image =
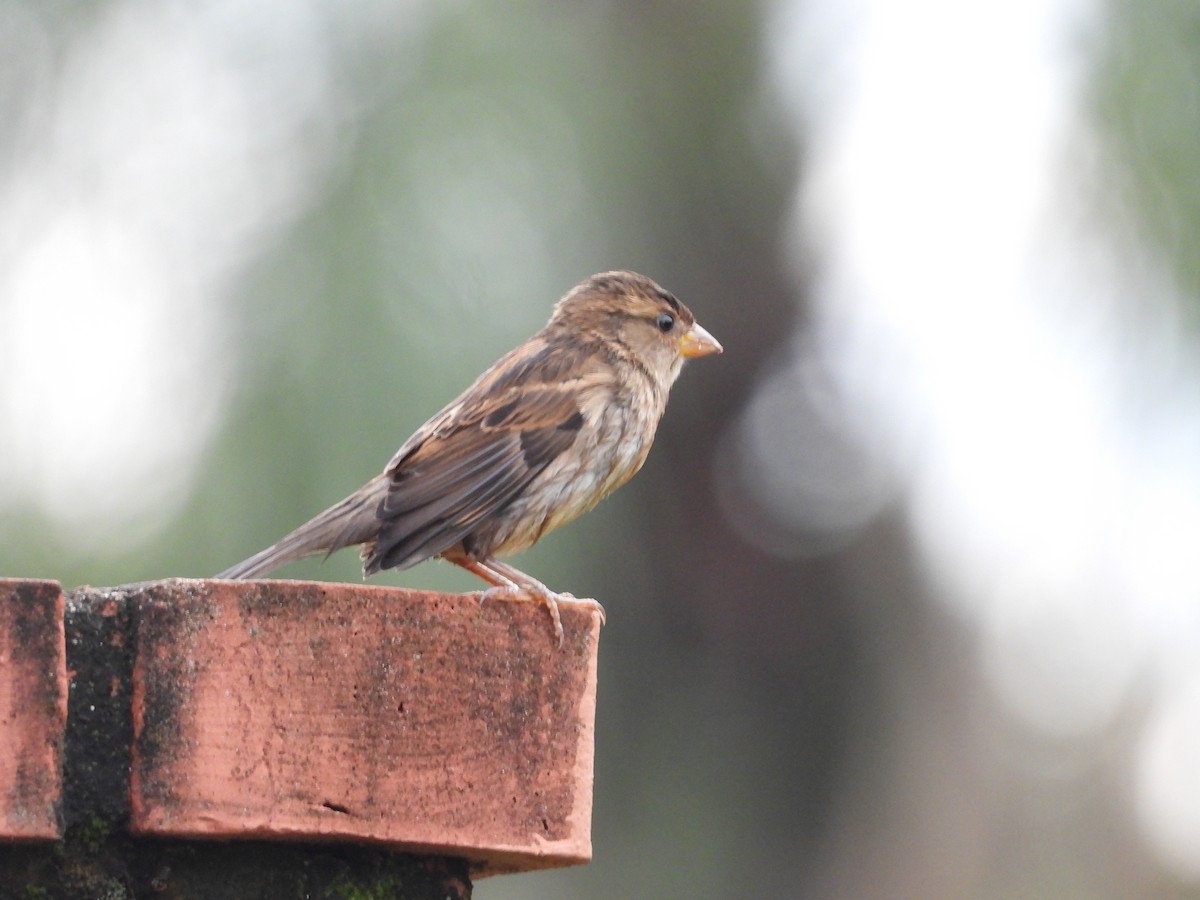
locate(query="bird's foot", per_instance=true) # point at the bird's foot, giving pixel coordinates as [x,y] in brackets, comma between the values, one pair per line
[541,594]
[526,594]
[509,583]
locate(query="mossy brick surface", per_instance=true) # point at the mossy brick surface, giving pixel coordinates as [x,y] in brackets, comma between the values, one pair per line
[278,710]
[33,708]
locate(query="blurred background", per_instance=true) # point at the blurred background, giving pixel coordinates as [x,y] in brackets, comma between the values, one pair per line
[905,603]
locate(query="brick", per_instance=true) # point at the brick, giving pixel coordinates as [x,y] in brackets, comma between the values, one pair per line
[283,710]
[33,708]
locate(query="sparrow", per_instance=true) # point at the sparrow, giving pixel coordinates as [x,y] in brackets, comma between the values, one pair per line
[537,440]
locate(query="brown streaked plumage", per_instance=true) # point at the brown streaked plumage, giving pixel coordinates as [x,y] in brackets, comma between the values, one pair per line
[541,437]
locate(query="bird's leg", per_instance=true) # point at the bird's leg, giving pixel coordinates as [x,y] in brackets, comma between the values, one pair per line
[531,584]
[505,588]
[509,583]
[501,586]
[543,593]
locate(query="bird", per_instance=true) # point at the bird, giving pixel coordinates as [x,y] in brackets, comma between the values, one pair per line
[542,436]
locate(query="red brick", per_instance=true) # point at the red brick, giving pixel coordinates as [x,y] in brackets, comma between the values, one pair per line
[33,708]
[310,711]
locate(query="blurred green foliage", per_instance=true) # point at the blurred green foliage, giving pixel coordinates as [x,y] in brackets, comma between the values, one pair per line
[1146,100]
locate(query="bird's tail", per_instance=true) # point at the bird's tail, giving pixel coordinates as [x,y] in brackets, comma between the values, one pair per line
[352,521]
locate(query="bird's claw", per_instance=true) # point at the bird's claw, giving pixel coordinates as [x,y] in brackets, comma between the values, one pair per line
[567,597]
[548,598]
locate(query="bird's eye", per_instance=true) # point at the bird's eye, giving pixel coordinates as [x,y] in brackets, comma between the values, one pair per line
[665,322]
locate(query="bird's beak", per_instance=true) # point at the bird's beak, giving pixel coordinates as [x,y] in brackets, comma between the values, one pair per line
[698,342]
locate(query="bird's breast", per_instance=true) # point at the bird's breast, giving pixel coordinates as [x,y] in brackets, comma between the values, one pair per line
[609,449]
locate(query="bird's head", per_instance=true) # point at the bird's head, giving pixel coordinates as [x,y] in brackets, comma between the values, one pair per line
[638,316]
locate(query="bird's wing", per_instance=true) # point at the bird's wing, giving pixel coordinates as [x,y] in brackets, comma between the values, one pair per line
[469,464]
